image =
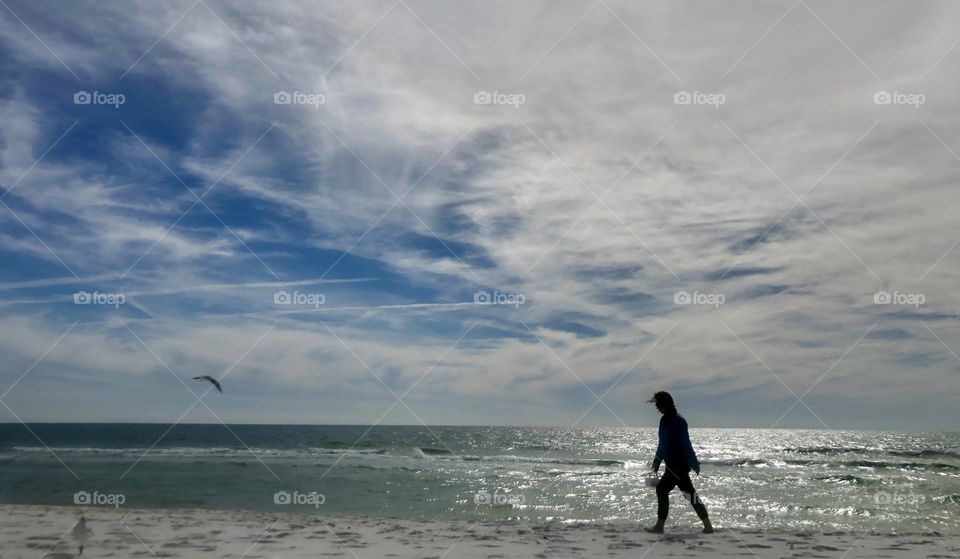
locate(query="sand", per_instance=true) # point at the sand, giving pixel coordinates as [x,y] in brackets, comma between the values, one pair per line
[30,531]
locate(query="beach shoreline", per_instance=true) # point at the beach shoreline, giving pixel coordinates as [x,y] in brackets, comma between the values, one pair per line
[32,531]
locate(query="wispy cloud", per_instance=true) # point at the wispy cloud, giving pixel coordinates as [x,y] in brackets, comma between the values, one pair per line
[597,161]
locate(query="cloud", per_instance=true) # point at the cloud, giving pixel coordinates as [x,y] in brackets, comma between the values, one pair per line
[598,199]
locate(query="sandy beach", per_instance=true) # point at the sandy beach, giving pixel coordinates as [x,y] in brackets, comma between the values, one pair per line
[44,531]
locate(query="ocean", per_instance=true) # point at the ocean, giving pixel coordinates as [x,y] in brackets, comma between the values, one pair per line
[752,478]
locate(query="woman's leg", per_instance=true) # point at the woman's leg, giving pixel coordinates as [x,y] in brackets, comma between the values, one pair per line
[686,486]
[667,482]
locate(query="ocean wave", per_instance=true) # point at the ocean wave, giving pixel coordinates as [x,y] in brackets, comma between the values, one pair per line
[928,453]
[830,450]
[736,462]
[947,499]
[193,452]
[377,467]
[881,464]
[826,450]
[433,451]
[422,453]
[907,465]
[395,456]
[185,451]
[554,472]
[360,451]
[543,460]
[847,478]
[513,458]
[544,447]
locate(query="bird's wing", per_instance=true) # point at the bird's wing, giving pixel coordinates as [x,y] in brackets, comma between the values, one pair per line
[212,380]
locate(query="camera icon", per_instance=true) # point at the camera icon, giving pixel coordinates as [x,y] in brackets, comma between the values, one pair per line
[682,98]
[482,98]
[281,298]
[82,298]
[483,498]
[482,298]
[82,98]
[282,98]
[682,298]
[281,498]
[81,498]
[882,298]
[882,98]
[883,498]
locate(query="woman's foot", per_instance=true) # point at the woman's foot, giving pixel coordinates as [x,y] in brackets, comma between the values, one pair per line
[655,529]
[707,526]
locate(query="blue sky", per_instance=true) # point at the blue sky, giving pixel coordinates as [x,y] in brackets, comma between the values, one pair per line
[812,171]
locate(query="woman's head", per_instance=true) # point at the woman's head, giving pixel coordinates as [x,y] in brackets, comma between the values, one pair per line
[664,402]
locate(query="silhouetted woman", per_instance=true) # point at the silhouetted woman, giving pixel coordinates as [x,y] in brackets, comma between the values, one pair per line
[676,452]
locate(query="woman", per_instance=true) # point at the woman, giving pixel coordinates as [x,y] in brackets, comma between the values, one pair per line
[676,452]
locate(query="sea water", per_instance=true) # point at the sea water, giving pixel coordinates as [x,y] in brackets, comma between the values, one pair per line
[751,478]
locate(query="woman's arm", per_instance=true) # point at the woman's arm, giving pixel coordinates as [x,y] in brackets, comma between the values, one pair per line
[661,447]
[688,451]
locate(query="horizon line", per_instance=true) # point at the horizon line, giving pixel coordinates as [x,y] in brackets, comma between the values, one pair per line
[528,426]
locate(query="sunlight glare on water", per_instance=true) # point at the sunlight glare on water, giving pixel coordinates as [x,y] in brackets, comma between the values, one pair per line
[793,479]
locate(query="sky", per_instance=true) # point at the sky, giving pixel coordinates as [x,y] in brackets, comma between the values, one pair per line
[496,213]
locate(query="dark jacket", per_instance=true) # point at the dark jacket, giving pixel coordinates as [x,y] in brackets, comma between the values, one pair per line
[674,447]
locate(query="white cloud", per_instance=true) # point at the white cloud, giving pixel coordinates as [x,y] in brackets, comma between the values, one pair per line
[513,188]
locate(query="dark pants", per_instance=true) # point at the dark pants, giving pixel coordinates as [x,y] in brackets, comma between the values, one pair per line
[680,479]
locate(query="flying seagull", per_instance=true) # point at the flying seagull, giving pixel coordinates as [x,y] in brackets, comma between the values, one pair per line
[212,380]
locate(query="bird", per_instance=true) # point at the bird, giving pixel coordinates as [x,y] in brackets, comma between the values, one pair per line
[81,533]
[212,381]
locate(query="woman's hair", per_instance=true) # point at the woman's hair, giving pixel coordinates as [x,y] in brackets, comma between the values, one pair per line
[663,400]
